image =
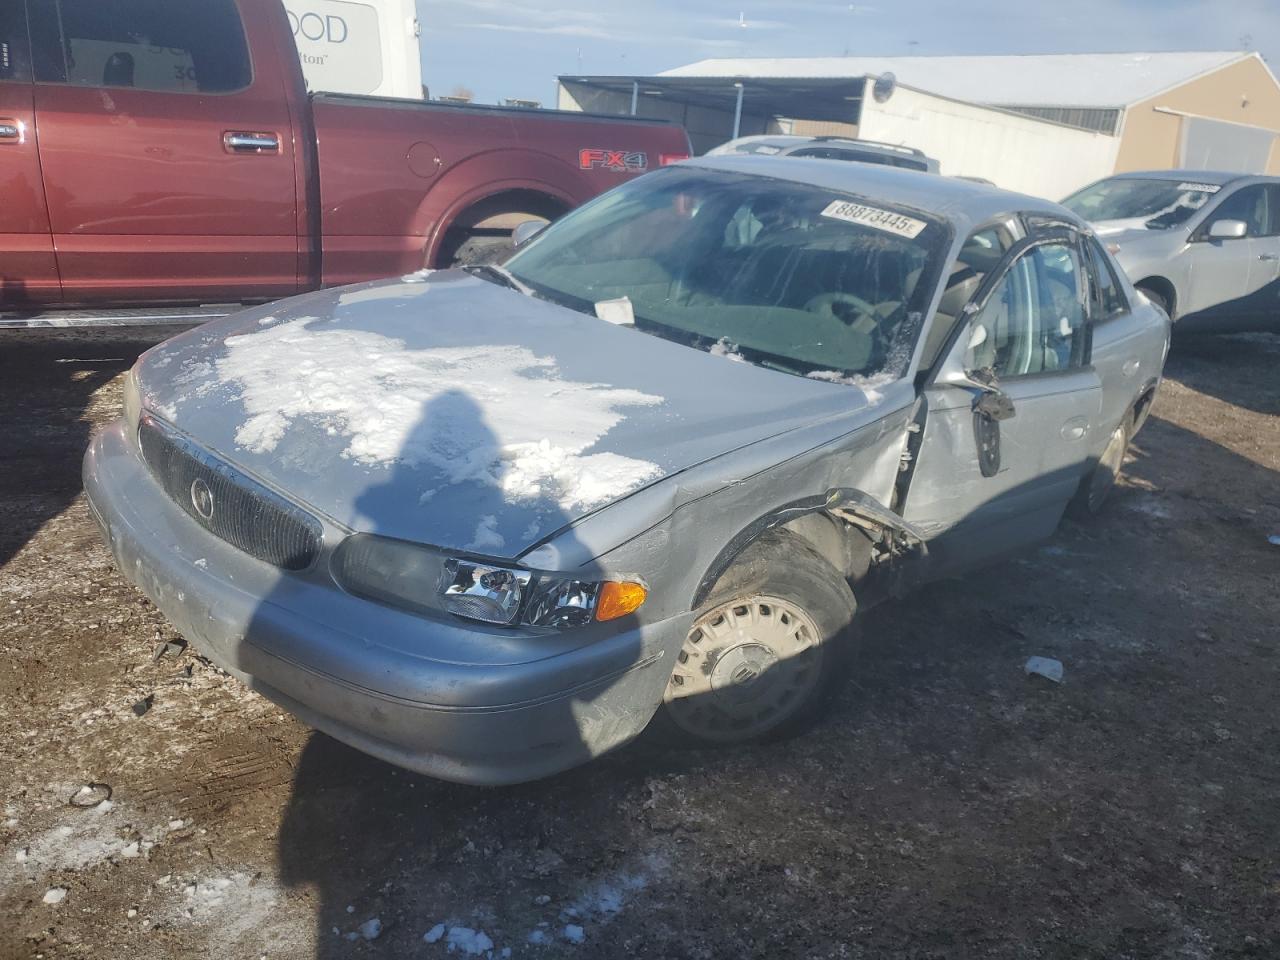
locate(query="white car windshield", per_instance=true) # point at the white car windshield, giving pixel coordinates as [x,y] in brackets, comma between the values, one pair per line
[1156,204]
[795,277]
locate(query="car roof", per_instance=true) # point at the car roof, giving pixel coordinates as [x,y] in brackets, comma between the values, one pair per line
[964,203]
[1219,177]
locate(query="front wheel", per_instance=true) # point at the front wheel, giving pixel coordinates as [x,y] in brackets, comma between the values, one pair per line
[766,650]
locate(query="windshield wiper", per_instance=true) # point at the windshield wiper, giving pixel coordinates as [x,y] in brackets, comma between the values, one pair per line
[499,275]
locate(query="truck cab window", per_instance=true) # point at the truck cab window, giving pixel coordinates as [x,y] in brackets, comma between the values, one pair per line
[14,63]
[147,45]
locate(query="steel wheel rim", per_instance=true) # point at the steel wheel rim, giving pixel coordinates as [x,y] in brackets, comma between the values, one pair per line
[745,667]
[1104,477]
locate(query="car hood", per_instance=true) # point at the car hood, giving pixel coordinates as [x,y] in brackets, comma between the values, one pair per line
[447,410]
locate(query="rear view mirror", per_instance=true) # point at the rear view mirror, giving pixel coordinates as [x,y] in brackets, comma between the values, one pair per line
[526,231]
[1228,230]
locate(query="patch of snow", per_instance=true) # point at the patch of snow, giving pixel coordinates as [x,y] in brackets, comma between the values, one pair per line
[539,938]
[574,933]
[472,943]
[371,929]
[487,538]
[202,563]
[499,415]
[265,321]
[723,348]
[55,895]
[435,934]
[418,276]
[868,385]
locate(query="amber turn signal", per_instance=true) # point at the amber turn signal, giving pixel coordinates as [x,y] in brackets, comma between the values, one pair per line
[618,599]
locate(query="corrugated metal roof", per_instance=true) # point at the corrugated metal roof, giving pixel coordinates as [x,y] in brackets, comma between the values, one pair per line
[1048,80]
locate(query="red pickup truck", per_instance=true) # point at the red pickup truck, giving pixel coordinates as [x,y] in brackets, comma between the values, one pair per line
[167,151]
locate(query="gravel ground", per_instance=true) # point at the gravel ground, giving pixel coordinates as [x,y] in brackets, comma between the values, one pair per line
[949,808]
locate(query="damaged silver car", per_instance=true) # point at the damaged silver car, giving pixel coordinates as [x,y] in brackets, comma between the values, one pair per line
[486,523]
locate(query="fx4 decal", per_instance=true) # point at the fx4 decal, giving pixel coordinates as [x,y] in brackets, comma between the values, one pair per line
[619,161]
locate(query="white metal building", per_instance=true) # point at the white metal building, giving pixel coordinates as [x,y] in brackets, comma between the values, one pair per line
[1043,124]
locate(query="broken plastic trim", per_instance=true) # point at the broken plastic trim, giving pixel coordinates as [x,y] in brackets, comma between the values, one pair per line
[852,506]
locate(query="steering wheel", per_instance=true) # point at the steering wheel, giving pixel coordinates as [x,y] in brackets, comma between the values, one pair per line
[827,302]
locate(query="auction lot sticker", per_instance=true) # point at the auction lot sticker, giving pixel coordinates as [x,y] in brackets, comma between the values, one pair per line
[885,220]
[1200,187]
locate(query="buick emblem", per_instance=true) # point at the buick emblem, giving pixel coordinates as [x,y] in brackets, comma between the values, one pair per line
[202,498]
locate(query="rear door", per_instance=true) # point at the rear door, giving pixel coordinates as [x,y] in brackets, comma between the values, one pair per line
[983,487]
[28,272]
[166,148]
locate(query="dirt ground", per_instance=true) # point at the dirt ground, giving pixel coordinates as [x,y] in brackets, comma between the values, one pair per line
[949,808]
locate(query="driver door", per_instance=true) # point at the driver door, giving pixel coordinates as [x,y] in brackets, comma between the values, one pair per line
[1009,411]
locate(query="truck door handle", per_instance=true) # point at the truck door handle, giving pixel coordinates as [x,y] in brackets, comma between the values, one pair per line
[10,130]
[249,141]
[1269,256]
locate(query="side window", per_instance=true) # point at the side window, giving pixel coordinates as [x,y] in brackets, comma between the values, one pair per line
[1104,287]
[1034,320]
[146,44]
[1248,204]
[1272,191]
[14,48]
[982,251]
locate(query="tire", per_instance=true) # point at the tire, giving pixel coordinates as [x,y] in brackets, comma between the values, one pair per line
[481,249]
[1096,486]
[1159,299]
[767,650]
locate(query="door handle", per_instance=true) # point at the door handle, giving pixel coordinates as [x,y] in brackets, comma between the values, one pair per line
[1269,256]
[11,131]
[249,141]
[1075,428]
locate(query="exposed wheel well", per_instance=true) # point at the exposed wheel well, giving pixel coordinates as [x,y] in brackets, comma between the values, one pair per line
[1163,289]
[493,218]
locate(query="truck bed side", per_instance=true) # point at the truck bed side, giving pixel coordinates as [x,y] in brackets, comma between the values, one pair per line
[403,182]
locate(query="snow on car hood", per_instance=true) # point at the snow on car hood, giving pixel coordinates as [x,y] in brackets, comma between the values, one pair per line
[448,410]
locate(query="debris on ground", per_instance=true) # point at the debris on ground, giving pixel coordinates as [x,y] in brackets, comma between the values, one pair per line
[143,705]
[91,795]
[55,895]
[170,648]
[1045,667]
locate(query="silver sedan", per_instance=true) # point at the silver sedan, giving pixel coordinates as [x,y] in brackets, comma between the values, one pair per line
[487,523]
[1202,245]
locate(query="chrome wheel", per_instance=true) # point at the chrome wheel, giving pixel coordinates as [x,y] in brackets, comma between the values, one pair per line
[1108,469]
[746,667]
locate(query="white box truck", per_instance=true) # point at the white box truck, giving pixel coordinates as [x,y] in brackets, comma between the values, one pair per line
[365,47]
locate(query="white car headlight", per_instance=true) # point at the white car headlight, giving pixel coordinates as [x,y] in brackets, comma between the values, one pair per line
[422,580]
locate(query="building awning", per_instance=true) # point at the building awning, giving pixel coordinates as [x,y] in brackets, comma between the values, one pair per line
[819,98]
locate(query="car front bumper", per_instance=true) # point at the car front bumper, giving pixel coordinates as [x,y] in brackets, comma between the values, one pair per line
[365,674]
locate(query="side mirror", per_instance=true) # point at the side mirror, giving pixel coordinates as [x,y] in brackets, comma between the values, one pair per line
[526,231]
[1228,230]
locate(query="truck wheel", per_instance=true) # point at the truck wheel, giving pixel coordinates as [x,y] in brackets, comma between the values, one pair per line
[483,249]
[1095,488]
[766,651]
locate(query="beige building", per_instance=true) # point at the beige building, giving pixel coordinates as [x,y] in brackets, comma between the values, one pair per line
[1044,123]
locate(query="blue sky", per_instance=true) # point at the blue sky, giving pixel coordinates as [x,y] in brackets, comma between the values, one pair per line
[516,48]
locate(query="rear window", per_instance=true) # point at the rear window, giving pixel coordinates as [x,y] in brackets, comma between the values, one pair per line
[861,156]
[162,45]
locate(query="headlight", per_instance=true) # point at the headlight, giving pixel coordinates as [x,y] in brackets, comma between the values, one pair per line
[417,578]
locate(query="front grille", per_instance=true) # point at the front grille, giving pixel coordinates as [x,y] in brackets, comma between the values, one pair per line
[228,504]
